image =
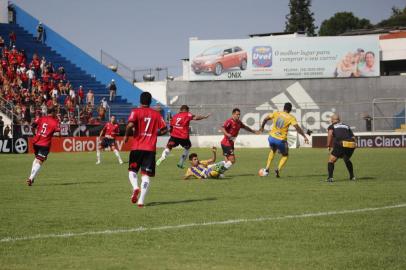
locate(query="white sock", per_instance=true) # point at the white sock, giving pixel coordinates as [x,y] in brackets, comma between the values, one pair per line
[184,156]
[133,179]
[144,188]
[228,164]
[36,166]
[98,155]
[118,155]
[165,153]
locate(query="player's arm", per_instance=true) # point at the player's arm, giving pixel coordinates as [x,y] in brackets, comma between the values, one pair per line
[102,131]
[300,131]
[225,132]
[329,139]
[128,130]
[201,117]
[214,152]
[266,119]
[162,131]
[250,129]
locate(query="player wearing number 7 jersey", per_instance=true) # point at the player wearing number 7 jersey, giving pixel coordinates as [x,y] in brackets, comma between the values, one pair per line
[278,135]
[146,124]
[179,128]
[46,126]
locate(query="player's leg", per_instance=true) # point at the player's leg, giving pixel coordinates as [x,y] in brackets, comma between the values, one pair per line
[284,150]
[133,168]
[229,157]
[334,155]
[186,144]
[348,163]
[271,154]
[115,150]
[147,171]
[171,143]
[101,146]
[41,154]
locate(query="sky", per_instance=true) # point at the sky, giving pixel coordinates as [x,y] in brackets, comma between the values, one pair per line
[155,33]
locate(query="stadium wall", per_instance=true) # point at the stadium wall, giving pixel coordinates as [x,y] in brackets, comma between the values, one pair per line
[314,100]
[78,56]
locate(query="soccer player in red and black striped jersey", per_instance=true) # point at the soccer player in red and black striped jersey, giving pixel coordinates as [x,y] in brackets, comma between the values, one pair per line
[230,129]
[146,124]
[110,131]
[179,129]
[46,126]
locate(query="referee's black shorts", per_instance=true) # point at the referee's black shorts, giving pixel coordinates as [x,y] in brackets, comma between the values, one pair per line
[342,152]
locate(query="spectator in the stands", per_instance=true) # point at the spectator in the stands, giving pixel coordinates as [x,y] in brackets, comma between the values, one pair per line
[6,132]
[40,33]
[43,64]
[72,94]
[36,64]
[12,36]
[90,97]
[101,110]
[1,42]
[30,75]
[81,95]
[1,126]
[113,90]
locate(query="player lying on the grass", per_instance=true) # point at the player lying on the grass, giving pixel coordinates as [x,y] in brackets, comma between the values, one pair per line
[45,126]
[278,135]
[110,131]
[179,131]
[342,139]
[203,169]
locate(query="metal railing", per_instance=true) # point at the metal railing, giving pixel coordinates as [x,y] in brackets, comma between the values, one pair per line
[133,75]
[387,113]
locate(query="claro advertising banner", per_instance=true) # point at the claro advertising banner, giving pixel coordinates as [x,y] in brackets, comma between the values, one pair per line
[284,58]
[80,144]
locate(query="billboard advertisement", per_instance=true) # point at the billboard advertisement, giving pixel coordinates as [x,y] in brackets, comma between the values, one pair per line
[284,58]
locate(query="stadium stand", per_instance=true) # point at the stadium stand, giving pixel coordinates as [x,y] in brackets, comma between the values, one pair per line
[62,72]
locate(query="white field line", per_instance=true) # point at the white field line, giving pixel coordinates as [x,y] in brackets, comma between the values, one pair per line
[189,225]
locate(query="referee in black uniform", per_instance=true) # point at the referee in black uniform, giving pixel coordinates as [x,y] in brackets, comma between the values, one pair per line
[342,140]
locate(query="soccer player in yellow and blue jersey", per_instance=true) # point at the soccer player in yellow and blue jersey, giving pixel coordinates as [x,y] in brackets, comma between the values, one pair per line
[278,135]
[203,169]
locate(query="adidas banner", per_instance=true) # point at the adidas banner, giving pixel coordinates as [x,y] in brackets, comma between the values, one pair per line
[284,58]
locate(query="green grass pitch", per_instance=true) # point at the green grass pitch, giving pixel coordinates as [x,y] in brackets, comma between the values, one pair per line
[73,195]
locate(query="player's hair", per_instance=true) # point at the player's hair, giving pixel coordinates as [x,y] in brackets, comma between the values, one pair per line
[236,110]
[287,107]
[184,108]
[369,52]
[145,98]
[193,155]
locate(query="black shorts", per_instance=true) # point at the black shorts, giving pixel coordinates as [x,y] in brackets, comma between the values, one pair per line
[106,142]
[342,152]
[144,160]
[227,150]
[173,142]
[41,152]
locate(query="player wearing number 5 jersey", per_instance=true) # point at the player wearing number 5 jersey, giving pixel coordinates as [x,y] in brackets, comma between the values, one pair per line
[45,126]
[146,124]
[278,135]
[179,130]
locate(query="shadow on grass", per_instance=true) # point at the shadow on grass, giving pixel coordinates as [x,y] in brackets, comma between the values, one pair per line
[179,202]
[74,183]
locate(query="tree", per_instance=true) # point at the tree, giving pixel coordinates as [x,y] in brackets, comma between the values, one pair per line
[342,22]
[300,18]
[398,18]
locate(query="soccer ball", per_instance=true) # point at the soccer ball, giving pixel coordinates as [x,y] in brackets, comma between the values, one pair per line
[262,172]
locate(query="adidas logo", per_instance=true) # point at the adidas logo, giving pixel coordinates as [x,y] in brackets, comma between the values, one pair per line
[305,109]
